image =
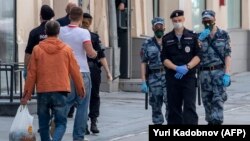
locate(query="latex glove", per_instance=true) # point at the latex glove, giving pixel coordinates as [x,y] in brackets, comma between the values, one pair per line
[182,69]
[144,87]
[178,75]
[226,80]
[25,72]
[204,34]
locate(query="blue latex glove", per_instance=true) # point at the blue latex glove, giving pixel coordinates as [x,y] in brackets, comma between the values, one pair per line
[144,87]
[204,34]
[178,75]
[182,69]
[226,80]
[25,72]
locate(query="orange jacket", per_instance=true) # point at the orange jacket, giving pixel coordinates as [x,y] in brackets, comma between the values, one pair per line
[51,64]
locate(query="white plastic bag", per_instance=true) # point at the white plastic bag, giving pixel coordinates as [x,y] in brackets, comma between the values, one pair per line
[22,125]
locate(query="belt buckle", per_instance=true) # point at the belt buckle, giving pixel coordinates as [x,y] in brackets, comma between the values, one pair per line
[212,68]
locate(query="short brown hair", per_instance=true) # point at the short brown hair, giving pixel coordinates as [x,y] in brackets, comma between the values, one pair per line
[76,14]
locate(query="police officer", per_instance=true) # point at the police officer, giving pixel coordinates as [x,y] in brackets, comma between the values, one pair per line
[180,56]
[215,67]
[95,73]
[37,34]
[150,57]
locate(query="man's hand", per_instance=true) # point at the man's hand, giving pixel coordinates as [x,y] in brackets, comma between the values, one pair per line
[24,101]
[26,97]
[109,77]
[226,80]
[144,87]
[121,6]
[204,34]
[182,69]
[81,93]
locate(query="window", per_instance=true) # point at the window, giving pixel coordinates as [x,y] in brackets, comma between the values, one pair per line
[7,33]
[234,13]
[198,6]
[7,38]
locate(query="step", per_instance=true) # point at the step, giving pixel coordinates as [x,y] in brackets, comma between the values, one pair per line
[130,85]
[9,109]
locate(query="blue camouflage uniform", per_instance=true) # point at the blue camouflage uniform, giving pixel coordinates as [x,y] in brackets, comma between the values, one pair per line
[212,71]
[151,55]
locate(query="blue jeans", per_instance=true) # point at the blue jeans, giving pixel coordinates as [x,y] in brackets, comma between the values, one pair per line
[56,102]
[82,106]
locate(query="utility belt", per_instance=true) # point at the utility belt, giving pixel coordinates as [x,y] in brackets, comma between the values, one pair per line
[158,70]
[215,67]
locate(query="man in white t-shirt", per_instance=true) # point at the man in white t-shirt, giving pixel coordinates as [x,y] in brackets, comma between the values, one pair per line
[80,41]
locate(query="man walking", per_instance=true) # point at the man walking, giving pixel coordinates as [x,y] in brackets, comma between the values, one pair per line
[80,41]
[215,68]
[63,22]
[181,55]
[151,58]
[50,65]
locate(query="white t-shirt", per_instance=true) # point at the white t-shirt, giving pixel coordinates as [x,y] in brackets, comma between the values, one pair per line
[75,36]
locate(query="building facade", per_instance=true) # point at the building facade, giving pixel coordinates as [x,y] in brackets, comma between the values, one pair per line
[18,17]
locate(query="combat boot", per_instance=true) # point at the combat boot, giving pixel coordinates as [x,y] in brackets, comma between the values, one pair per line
[93,127]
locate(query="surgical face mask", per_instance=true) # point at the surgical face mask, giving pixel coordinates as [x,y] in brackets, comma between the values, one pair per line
[178,25]
[159,33]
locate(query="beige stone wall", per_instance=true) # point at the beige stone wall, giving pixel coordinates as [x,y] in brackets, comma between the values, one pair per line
[100,20]
[166,8]
[142,14]
[27,19]
[245,14]
[221,13]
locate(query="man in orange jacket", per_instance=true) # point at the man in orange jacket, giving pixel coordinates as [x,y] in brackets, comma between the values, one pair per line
[51,64]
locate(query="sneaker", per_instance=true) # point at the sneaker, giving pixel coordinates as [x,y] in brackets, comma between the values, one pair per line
[85,139]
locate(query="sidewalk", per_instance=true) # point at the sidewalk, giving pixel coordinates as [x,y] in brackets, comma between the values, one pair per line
[123,117]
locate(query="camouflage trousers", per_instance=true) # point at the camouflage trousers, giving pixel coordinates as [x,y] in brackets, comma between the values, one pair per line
[213,95]
[158,96]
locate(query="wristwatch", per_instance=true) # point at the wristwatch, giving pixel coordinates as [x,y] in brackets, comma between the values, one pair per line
[188,66]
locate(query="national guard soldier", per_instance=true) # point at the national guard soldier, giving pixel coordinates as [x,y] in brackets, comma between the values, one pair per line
[180,56]
[150,58]
[215,68]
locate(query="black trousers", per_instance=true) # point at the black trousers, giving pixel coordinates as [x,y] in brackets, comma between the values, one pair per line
[94,106]
[182,100]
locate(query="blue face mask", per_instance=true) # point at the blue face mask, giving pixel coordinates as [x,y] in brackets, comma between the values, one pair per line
[159,33]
